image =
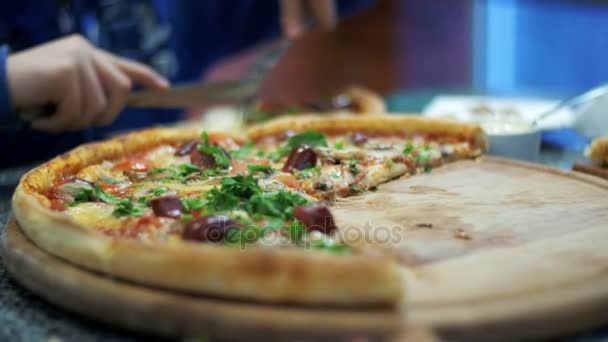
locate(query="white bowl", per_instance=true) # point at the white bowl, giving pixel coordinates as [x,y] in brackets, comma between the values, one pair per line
[513,139]
[591,120]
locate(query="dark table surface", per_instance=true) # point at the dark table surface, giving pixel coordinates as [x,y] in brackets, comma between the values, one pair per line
[26,317]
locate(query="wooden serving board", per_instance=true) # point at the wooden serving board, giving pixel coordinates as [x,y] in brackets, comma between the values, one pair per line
[492,250]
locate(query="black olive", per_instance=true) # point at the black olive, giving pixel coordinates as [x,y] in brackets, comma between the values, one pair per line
[300,158]
[315,216]
[211,228]
[202,160]
[167,206]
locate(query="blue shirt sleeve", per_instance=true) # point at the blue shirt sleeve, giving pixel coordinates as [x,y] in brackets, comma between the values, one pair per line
[5,99]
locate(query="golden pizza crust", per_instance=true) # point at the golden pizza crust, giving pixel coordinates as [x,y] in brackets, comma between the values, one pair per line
[290,276]
[598,151]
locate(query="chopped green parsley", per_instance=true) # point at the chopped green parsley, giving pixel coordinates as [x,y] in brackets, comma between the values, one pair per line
[222,159]
[353,167]
[260,168]
[409,148]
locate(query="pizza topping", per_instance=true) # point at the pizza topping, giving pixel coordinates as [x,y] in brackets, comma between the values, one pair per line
[201,159]
[73,187]
[316,217]
[300,158]
[309,138]
[447,150]
[133,166]
[409,148]
[353,167]
[95,215]
[287,134]
[128,208]
[187,148]
[359,139]
[124,207]
[210,155]
[210,228]
[336,179]
[278,204]
[273,239]
[308,173]
[258,194]
[167,206]
[322,242]
[180,173]
[289,180]
[92,173]
[260,168]
[339,145]
[332,155]
[243,152]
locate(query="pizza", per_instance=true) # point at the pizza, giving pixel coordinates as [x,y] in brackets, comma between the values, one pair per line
[242,217]
[598,151]
[354,100]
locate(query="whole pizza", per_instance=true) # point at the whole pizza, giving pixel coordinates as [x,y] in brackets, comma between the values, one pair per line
[243,217]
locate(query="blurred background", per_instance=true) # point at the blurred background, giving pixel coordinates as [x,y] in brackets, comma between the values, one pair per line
[551,48]
[413,53]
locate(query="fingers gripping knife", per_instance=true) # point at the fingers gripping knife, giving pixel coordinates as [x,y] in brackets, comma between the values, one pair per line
[240,92]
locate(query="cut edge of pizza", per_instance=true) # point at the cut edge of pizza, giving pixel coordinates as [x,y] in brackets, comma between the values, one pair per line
[306,274]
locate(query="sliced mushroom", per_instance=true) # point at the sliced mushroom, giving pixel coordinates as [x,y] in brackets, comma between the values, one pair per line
[73,187]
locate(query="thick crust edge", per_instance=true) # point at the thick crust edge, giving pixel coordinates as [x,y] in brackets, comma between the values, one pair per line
[278,276]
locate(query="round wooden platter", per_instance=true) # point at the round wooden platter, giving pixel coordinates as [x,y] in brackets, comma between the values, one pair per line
[159,312]
[491,250]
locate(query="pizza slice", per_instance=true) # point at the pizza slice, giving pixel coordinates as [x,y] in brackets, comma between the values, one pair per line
[220,215]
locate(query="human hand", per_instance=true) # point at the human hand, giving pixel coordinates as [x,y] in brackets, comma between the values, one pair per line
[294,15]
[87,85]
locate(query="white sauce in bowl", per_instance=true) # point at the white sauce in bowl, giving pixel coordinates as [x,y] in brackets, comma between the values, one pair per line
[506,127]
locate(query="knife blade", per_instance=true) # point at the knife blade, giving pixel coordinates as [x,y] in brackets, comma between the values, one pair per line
[181,96]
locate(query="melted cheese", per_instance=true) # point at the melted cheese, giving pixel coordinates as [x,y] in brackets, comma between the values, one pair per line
[337,178]
[182,189]
[161,156]
[95,215]
[101,171]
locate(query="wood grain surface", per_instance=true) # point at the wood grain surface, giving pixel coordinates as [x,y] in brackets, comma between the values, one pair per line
[493,245]
[491,249]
